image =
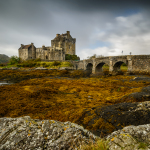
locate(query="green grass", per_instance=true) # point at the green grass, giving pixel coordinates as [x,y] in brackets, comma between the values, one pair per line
[123,68]
[55,64]
[99,145]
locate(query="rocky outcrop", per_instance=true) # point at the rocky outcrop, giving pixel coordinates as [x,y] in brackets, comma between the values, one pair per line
[144,95]
[130,138]
[26,133]
[114,117]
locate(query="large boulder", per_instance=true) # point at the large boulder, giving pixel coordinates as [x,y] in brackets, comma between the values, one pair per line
[144,95]
[104,120]
[26,133]
[130,138]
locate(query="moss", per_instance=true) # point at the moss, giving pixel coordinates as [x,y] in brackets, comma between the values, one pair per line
[142,145]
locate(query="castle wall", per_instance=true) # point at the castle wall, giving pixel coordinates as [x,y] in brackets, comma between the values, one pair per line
[70,48]
[33,51]
[23,54]
[30,53]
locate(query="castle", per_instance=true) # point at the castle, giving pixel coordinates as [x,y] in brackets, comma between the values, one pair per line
[60,45]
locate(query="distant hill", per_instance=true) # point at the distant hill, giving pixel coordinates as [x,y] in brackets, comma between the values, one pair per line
[4,58]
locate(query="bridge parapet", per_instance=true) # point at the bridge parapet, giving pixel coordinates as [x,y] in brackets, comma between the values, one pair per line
[134,63]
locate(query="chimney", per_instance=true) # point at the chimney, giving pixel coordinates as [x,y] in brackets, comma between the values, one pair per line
[32,43]
[57,35]
[68,34]
[43,46]
[22,46]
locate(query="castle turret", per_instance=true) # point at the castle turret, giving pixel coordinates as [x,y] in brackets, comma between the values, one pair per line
[43,47]
[22,46]
[57,35]
[33,51]
[68,34]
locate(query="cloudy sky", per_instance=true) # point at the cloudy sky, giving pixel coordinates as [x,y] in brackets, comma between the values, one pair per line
[102,27]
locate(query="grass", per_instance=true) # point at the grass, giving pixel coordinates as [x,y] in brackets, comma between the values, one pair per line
[99,145]
[123,68]
[34,63]
[142,145]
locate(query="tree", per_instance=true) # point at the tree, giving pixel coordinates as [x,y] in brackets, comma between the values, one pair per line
[14,60]
[71,57]
[95,56]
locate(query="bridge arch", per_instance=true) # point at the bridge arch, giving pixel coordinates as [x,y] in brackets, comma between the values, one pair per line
[89,67]
[99,67]
[117,65]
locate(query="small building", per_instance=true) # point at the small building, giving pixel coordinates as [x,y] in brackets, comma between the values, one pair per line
[60,45]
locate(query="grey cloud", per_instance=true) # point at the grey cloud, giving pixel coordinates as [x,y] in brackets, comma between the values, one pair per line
[26,21]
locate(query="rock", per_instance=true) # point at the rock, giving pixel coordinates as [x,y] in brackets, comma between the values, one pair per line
[110,118]
[26,133]
[141,79]
[130,138]
[139,96]
[62,68]
[5,68]
[66,68]
[41,68]
[14,68]
[52,69]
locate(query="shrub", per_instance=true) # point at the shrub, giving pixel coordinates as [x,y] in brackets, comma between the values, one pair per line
[2,65]
[37,60]
[38,64]
[28,64]
[124,64]
[70,64]
[66,64]
[78,73]
[63,72]
[19,65]
[56,63]
[44,64]
[71,57]
[14,60]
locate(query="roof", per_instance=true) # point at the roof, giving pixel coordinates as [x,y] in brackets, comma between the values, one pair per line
[26,46]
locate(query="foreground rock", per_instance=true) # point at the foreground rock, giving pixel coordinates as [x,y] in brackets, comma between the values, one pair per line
[130,138]
[26,133]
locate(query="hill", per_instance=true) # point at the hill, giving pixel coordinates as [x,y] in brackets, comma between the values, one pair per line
[4,58]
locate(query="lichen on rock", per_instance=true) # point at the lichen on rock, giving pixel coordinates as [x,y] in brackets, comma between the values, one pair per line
[130,137]
[26,133]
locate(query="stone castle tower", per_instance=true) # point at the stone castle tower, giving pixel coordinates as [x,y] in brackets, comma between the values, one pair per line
[60,45]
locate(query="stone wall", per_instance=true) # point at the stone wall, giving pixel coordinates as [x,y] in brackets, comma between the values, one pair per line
[141,62]
[23,54]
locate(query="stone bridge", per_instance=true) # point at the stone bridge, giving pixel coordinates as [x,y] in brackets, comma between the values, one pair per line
[133,62]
